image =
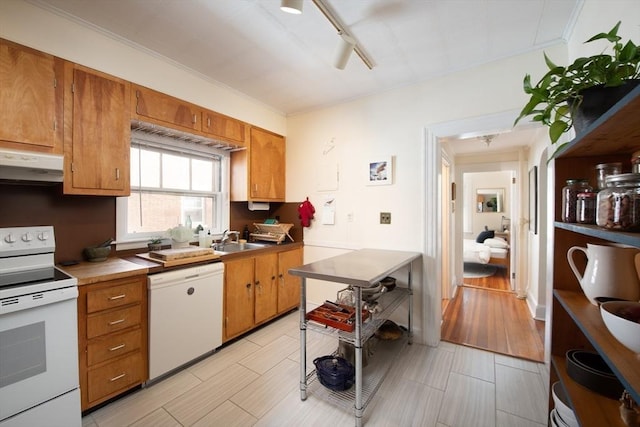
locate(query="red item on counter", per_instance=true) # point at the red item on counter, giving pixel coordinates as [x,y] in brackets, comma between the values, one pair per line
[305,212]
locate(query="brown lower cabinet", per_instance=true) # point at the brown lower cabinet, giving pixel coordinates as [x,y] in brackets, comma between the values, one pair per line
[258,288]
[112,338]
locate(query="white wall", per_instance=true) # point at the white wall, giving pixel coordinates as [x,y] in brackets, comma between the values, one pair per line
[599,16]
[392,123]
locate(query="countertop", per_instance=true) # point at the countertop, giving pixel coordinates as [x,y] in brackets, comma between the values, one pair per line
[113,268]
[118,267]
[362,268]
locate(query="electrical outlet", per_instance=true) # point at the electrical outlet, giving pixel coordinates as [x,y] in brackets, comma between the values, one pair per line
[385,217]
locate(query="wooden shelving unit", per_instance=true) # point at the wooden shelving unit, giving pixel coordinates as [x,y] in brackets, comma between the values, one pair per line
[576,323]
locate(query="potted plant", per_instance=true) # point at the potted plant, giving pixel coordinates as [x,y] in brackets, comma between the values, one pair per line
[155,244]
[562,99]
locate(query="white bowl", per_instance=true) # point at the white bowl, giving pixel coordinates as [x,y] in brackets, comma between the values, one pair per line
[555,419]
[562,408]
[622,319]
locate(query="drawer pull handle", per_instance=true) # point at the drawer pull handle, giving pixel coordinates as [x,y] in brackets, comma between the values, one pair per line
[118,377]
[118,347]
[115,322]
[117,297]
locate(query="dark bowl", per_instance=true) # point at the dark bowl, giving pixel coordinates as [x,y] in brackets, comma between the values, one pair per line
[97,253]
[588,369]
[335,372]
[389,283]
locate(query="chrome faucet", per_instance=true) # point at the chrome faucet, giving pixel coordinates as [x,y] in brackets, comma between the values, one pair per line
[235,233]
[226,238]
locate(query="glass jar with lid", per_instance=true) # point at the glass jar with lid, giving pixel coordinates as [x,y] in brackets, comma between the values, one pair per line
[586,208]
[618,205]
[570,197]
[603,170]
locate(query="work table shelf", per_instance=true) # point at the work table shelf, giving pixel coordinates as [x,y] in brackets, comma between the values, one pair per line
[389,302]
[373,375]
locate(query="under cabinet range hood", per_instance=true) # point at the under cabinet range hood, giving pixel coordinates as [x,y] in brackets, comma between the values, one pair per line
[30,166]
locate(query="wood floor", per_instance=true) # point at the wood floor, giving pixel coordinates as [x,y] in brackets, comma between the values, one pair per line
[485,314]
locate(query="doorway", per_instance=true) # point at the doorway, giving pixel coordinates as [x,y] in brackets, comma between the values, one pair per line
[448,192]
[489,201]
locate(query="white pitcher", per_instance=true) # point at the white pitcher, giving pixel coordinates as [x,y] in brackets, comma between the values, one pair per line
[610,272]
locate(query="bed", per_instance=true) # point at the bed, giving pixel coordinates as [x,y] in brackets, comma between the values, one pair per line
[492,251]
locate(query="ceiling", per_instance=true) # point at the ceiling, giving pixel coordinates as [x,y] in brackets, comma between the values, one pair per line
[286,61]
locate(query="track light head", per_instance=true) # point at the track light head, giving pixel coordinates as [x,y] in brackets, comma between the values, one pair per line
[346,46]
[291,6]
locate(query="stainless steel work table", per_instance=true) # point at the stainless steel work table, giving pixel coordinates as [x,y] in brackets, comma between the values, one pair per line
[360,269]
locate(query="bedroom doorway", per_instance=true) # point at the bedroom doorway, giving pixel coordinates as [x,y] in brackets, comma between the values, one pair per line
[489,201]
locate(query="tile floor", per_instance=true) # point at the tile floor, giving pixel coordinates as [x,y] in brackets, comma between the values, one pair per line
[255,382]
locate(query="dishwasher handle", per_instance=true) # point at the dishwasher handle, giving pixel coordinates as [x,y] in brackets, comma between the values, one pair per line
[187,274]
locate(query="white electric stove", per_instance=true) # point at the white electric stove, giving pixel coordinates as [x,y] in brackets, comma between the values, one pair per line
[39,383]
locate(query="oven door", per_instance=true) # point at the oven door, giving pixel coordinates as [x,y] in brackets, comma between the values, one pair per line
[38,349]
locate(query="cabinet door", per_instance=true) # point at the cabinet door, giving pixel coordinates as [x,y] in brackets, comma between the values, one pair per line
[164,109]
[221,126]
[97,147]
[266,290]
[31,98]
[288,285]
[266,166]
[238,296]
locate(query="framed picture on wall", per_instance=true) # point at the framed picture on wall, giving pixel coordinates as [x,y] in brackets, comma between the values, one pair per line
[380,171]
[533,200]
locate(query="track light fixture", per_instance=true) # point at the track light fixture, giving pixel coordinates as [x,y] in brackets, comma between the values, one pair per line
[291,6]
[348,43]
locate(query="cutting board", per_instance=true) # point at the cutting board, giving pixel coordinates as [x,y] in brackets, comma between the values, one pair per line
[179,261]
[179,253]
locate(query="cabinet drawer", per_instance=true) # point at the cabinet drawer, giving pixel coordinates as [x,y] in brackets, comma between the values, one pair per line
[114,296]
[112,321]
[114,345]
[116,376]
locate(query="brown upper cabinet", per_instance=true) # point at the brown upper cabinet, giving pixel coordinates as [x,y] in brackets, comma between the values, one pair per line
[97,133]
[258,173]
[156,107]
[164,110]
[224,127]
[51,105]
[31,99]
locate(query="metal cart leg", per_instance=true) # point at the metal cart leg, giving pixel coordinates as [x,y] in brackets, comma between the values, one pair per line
[409,320]
[358,356]
[303,339]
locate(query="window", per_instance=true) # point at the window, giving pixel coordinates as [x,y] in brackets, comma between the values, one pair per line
[169,185]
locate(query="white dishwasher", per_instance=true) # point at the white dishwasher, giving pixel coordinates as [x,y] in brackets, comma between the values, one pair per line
[185,316]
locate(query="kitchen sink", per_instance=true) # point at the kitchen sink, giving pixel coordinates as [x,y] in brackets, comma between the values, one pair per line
[232,247]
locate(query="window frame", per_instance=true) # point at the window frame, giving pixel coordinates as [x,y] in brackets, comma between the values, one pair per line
[163,144]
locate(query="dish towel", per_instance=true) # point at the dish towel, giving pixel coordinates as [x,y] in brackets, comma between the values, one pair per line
[305,212]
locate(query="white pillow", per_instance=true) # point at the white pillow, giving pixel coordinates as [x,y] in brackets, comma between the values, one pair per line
[496,243]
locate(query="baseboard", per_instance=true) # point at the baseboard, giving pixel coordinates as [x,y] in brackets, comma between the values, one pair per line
[537,310]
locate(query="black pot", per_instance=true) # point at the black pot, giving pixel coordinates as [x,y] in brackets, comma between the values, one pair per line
[588,369]
[335,372]
[596,101]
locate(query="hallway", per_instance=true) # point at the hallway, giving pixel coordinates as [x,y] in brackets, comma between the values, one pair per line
[484,314]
